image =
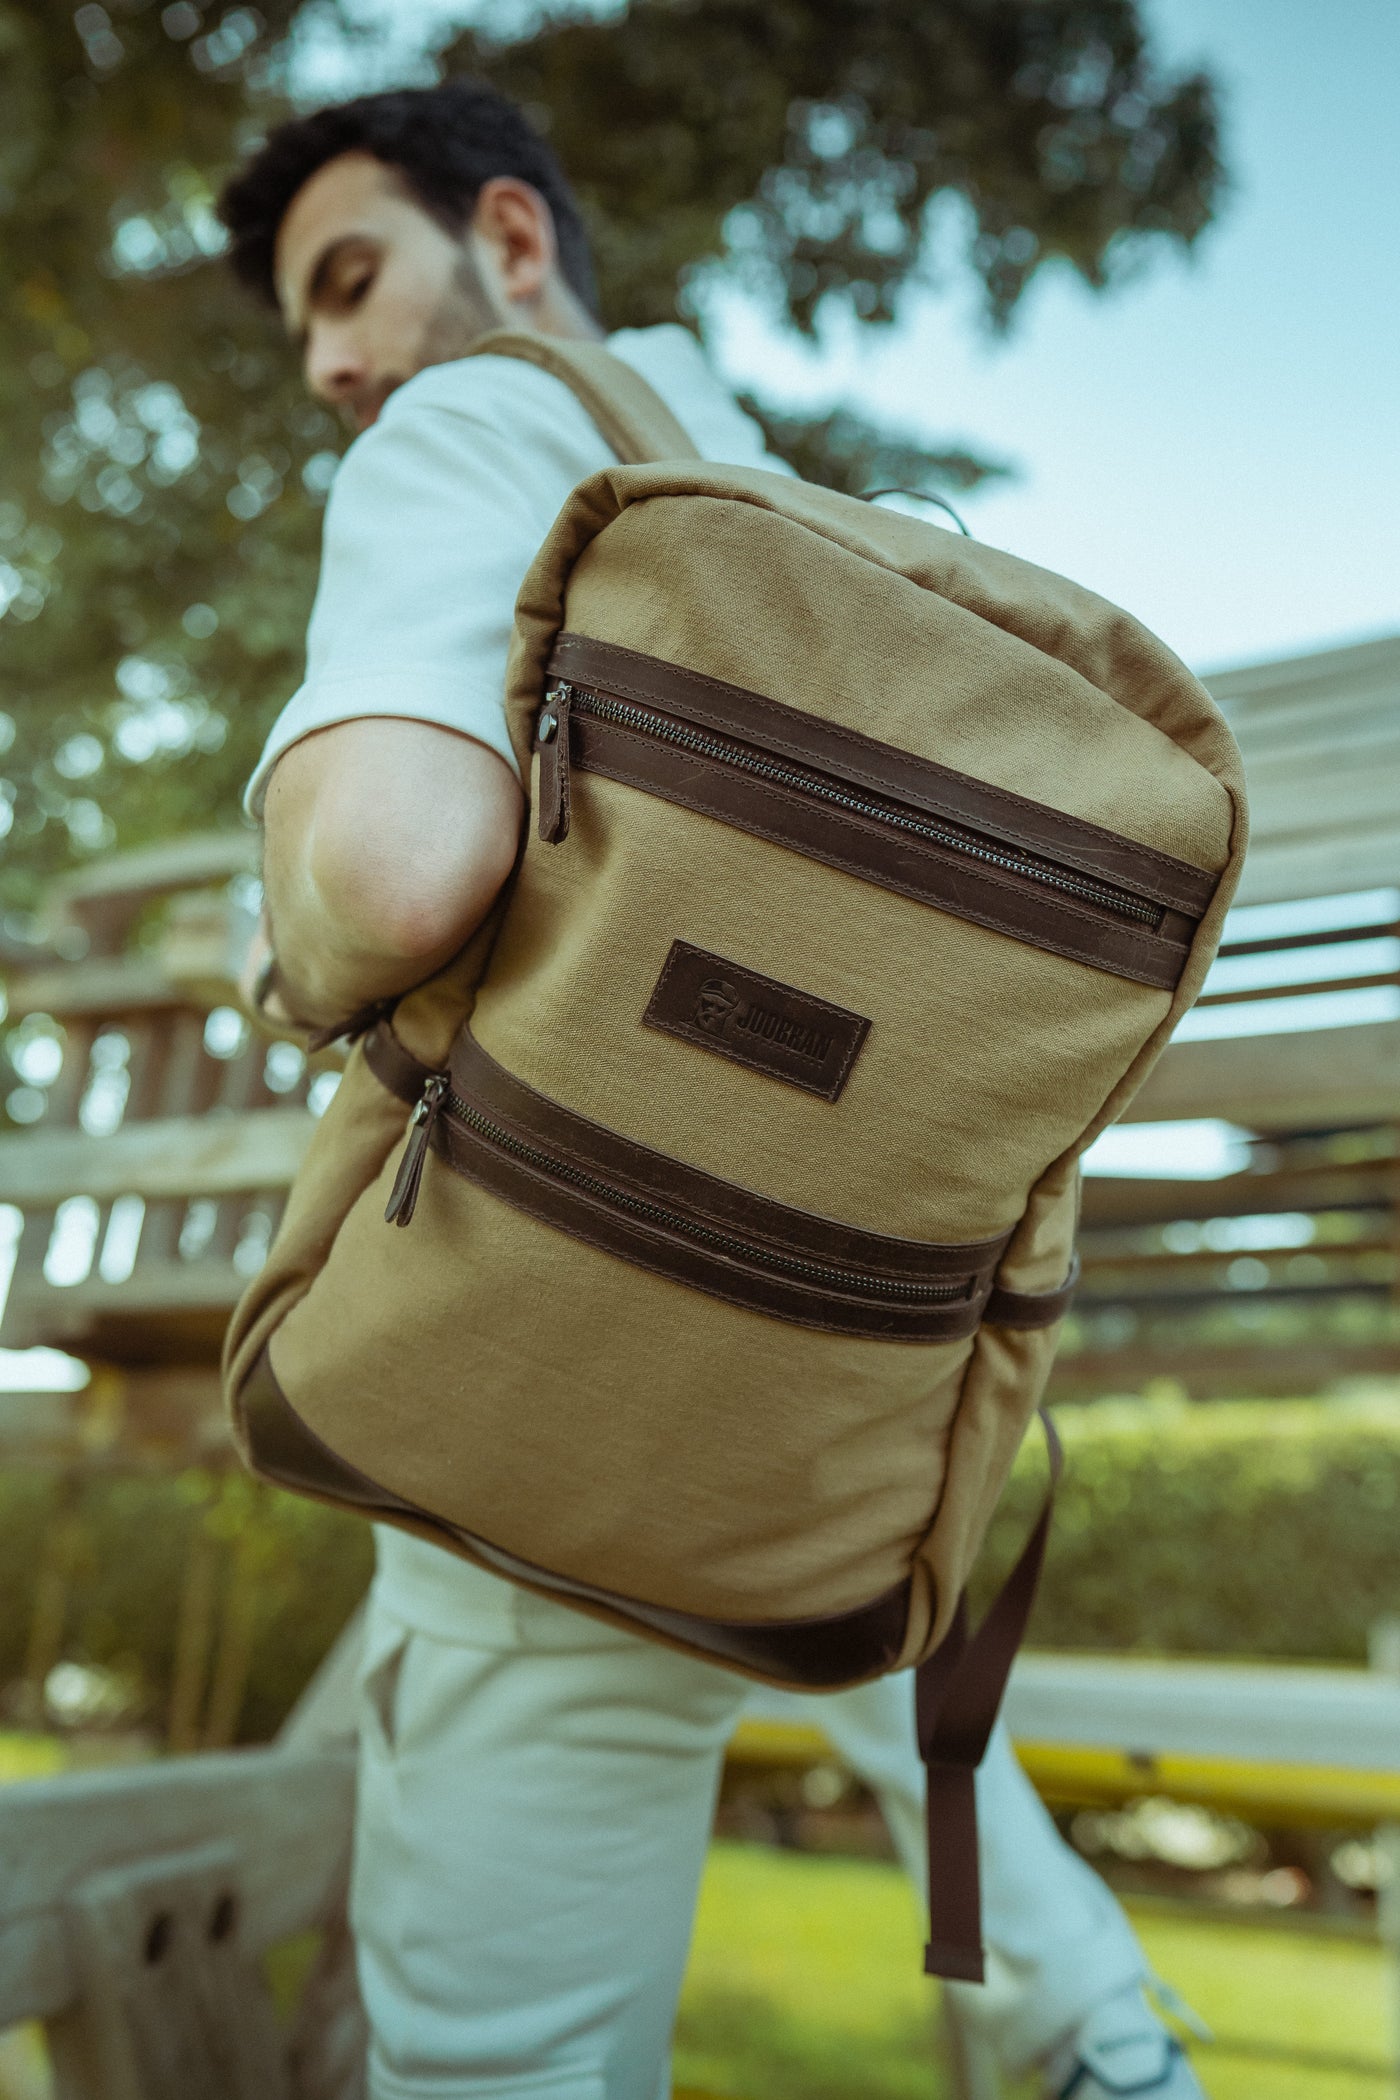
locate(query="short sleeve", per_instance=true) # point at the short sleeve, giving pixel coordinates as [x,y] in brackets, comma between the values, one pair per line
[433,519]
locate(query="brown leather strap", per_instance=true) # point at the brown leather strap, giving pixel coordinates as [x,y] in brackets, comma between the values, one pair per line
[628,412]
[394,1067]
[958,1692]
[1026,1309]
[868,848]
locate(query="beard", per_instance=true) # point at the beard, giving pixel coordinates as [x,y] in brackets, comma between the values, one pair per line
[462,316]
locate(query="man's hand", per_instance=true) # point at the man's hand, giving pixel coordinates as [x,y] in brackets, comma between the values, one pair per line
[252,978]
[387,842]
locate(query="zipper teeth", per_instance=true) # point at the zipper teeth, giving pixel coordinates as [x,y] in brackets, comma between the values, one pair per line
[1119,902]
[845,1279]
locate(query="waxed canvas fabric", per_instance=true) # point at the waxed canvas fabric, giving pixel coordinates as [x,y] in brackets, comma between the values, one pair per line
[617,1426]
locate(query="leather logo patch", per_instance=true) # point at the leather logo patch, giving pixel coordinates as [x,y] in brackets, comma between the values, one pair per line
[770,1027]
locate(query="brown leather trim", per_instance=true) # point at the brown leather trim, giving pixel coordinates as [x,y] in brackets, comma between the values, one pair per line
[393,1066]
[712,1235]
[639,1170]
[921,782]
[808,1653]
[552,744]
[865,847]
[1024,1309]
[957,1693]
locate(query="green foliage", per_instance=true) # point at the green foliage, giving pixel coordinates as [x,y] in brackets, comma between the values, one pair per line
[160,470]
[308,1566]
[1247,1528]
[1250,1528]
[843,451]
[148,417]
[809,138]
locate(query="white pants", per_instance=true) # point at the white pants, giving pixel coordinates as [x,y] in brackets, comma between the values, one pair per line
[535,1800]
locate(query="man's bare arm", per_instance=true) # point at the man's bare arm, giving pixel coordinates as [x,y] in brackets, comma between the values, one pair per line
[386,844]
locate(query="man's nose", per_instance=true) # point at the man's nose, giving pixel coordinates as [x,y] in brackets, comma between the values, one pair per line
[334,366]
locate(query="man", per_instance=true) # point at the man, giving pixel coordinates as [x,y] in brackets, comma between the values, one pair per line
[536,1789]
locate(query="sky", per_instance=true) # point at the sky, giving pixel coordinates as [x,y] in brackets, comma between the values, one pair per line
[1215,445]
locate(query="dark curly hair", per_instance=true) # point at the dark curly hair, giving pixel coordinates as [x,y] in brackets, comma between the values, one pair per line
[446,142]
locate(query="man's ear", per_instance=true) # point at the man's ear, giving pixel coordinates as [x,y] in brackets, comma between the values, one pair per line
[513,230]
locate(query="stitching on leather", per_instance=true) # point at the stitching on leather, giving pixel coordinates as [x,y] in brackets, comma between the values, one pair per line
[905,889]
[972,1255]
[1083,828]
[542,1215]
[788,991]
[1150,945]
[889,568]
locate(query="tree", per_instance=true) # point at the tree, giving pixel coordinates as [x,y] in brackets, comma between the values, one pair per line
[161,472]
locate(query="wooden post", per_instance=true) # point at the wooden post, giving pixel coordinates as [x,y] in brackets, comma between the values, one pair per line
[194,1634]
[234,1660]
[53,1583]
[1385,1657]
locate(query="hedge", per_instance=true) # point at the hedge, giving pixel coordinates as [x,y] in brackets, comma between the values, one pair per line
[299,1566]
[1245,1528]
[1236,1528]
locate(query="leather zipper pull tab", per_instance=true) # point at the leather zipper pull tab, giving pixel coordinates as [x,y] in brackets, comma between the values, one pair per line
[552,743]
[403,1197]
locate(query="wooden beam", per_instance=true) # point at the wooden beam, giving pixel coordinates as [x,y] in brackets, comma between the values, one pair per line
[1222,1371]
[169,1312]
[105,896]
[171,1156]
[1329,937]
[1306,987]
[148,1415]
[107,986]
[1105,1252]
[1373,663]
[1318,1078]
[1340,1719]
[1325,862]
[1113,1201]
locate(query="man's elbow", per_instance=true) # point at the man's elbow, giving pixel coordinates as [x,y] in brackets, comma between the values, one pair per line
[416,901]
[387,843]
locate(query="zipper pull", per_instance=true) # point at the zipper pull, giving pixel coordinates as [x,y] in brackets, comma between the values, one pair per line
[403,1197]
[552,743]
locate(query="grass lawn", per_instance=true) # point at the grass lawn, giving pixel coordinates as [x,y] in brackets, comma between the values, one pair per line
[804,1984]
[29,1757]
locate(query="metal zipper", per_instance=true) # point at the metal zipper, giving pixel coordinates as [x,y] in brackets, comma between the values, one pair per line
[563,698]
[438,1099]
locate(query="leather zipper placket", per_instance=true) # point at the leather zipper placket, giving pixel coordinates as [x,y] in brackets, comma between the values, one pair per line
[564,699]
[438,1099]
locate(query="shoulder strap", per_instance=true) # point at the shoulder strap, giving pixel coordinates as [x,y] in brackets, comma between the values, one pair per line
[629,413]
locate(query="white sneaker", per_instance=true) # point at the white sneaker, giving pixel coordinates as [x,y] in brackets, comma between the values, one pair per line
[1121,2049]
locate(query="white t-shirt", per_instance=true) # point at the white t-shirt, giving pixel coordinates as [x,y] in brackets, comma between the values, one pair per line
[435,515]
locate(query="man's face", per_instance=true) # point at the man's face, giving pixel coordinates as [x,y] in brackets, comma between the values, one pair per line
[373,287]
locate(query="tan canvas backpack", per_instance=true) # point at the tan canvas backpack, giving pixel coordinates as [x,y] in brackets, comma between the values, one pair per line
[731,1172]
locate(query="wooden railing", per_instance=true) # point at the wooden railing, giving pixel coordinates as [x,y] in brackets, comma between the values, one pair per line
[1283,1274]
